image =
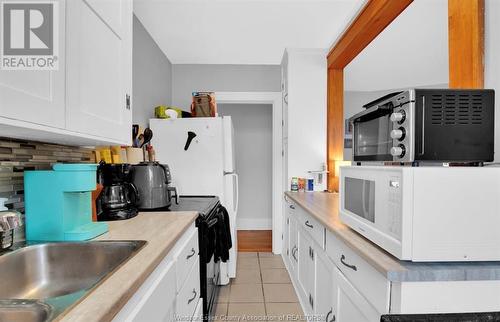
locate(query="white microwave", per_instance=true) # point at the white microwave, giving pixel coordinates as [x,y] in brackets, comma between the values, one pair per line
[425,213]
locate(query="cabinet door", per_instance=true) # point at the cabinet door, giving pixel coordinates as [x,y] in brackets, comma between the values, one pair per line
[325,285]
[306,269]
[294,246]
[99,68]
[351,305]
[36,96]
[155,300]
[286,236]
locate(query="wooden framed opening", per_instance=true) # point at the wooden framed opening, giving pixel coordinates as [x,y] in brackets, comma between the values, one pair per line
[465,50]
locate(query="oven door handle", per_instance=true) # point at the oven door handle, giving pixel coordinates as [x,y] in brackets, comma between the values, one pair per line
[371,110]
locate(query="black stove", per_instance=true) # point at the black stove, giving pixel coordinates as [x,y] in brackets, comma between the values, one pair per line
[202,204]
[209,209]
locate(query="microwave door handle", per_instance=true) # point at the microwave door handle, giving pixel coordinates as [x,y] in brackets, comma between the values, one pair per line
[363,200]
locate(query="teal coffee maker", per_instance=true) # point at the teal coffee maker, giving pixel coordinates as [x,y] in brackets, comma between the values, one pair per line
[58,203]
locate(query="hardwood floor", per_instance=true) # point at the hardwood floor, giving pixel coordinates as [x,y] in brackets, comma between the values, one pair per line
[255,240]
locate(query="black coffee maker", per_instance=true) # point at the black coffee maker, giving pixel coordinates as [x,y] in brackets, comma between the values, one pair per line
[119,195]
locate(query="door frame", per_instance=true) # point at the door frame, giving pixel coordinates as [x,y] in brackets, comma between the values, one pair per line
[274,99]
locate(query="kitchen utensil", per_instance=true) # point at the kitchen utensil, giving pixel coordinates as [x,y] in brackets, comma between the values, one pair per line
[152,180]
[135,133]
[148,135]
[139,141]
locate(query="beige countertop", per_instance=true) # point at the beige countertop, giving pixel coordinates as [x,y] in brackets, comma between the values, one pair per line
[161,230]
[325,207]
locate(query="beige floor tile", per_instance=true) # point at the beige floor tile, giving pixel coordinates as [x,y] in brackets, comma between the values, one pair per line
[284,312]
[247,276]
[246,312]
[221,312]
[279,293]
[275,276]
[248,263]
[224,294]
[271,262]
[267,255]
[246,293]
[247,254]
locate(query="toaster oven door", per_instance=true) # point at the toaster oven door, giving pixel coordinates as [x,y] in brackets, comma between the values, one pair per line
[372,136]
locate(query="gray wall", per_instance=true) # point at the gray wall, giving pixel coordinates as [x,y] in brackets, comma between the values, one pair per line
[253,143]
[222,78]
[152,76]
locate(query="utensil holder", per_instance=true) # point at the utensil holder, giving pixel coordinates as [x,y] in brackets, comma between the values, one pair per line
[135,155]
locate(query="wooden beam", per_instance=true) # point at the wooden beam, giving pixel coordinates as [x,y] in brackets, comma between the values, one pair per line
[466,43]
[335,124]
[373,18]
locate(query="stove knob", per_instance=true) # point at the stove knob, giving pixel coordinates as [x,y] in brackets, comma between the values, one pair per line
[398,134]
[398,151]
[398,117]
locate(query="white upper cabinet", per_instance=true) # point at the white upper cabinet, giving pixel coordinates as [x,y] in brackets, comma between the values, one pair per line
[33,95]
[87,101]
[99,68]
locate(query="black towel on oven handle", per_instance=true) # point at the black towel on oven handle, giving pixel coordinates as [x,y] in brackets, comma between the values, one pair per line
[223,236]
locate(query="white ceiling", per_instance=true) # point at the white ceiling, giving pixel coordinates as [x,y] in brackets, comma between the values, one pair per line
[242,31]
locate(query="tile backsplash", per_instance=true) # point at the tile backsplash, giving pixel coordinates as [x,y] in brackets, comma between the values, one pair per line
[16,156]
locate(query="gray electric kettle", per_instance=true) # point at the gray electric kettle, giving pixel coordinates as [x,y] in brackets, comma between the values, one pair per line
[153,179]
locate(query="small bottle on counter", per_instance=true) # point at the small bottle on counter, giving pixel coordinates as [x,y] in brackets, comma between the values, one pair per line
[295,184]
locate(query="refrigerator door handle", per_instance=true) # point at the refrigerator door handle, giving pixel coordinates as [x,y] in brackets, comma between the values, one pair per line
[237,194]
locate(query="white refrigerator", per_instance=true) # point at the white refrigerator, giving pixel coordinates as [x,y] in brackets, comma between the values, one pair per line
[200,154]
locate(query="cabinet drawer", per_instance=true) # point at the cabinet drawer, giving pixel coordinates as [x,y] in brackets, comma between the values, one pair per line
[370,283]
[313,227]
[185,258]
[189,295]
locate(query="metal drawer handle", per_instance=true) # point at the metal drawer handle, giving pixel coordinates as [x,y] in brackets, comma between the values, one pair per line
[194,296]
[328,315]
[308,224]
[292,207]
[294,251]
[193,252]
[342,260]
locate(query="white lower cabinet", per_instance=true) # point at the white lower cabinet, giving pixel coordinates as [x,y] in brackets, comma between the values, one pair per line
[351,305]
[158,300]
[326,295]
[324,290]
[306,270]
[294,245]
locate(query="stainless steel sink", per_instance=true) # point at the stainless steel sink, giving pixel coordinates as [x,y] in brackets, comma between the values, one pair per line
[24,311]
[56,274]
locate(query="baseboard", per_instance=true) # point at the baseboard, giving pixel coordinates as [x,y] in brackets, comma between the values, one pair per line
[255,240]
[254,223]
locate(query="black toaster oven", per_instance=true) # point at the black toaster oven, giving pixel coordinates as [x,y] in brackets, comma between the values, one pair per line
[434,125]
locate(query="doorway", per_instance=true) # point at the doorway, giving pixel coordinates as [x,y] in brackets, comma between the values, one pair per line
[247,109]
